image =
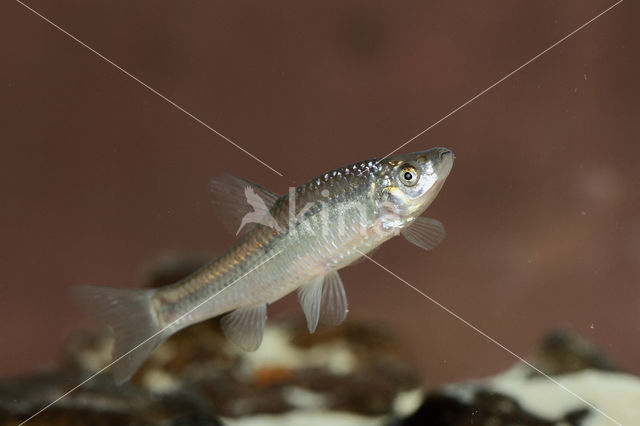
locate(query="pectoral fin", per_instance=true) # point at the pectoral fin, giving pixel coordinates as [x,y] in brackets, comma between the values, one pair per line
[323,299]
[245,326]
[424,232]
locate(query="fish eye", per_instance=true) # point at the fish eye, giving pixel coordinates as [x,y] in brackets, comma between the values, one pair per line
[409,175]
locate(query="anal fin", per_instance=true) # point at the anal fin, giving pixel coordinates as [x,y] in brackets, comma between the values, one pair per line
[245,326]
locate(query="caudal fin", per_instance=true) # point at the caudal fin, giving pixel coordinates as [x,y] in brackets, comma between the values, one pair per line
[130,315]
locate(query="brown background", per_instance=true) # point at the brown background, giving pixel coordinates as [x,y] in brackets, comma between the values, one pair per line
[99,177]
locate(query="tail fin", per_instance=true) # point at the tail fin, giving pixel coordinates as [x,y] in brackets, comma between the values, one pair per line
[130,315]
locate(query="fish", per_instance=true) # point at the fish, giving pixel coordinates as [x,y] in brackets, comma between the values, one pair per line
[292,242]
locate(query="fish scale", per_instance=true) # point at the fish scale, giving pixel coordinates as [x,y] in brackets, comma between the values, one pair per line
[314,256]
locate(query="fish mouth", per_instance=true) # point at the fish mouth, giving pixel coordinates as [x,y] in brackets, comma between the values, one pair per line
[445,152]
[444,163]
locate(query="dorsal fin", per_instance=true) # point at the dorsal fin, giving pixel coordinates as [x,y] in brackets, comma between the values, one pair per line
[234,198]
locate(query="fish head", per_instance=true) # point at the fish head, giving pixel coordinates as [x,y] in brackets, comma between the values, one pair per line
[408,183]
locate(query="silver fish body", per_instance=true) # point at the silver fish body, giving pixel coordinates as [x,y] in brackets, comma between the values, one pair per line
[315,230]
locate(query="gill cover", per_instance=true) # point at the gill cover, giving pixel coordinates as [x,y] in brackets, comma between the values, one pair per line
[409,184]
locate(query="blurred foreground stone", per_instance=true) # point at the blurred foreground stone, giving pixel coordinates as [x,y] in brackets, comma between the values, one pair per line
[340,375]
[349,375]
[355,374]
[522,396]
